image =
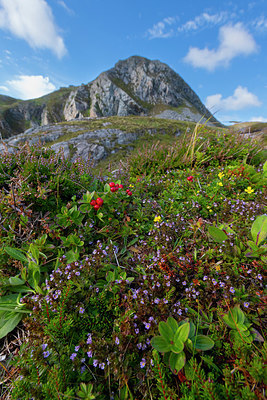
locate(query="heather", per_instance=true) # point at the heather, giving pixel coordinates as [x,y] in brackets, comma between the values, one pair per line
[142,283]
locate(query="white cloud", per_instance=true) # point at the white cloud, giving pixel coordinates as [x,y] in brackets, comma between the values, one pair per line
[241,98]
[201,20]
[260,23]
[234,41]
[160,30]
[258,119]
[64,5]
[31,86]
[4,88]
[32,20]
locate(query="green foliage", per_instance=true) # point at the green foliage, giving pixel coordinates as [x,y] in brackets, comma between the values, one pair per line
[174,337]
[92,287]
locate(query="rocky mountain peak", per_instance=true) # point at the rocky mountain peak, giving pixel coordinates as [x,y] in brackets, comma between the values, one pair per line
[135,86]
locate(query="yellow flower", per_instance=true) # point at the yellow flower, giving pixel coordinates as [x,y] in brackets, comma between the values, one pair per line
[220,175]
[157,219]
[210,210]
[131,186]
[220,184]
[249,190]
[218,268]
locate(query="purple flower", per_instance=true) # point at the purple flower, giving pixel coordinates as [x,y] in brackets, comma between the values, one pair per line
[205,278]
[184,283]
[156,301]
[81,310]
[117,340]
[95,362]
[73,356]
[139,346]
[232,290]
[142,363]
[246,304]
[89,338]
[259,277]
[137,331]
[90,353]
[44,346]
[77,348]
[46,353]
[147,325]
[102,366]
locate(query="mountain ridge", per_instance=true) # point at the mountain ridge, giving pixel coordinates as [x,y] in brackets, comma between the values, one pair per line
[134,86]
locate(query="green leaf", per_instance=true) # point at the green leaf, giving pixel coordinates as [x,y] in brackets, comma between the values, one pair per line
[192,330]
[177,362]
[15,253]
[182,333]
[8,322]
[203,343]
[211,363]
[265,168]
[166,331]
[160,344]
[172,323]
[259,229]
[217,234]
[177,346]
[234,317]
[15,281]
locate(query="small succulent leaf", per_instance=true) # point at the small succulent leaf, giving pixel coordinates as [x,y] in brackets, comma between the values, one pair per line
[166,331]
[172,323]
[177,362]
[217,234]
[182,332]
[203,343]
[259,229]
[160,344]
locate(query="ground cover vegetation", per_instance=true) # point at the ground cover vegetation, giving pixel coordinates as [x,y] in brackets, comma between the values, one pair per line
[143,284]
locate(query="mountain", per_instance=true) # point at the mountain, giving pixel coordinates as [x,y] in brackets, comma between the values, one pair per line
[135,86]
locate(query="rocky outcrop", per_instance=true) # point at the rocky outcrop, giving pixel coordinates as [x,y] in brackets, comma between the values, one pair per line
[85,144]
[135,86]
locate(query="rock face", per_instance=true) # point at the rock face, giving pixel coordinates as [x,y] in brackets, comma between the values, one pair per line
[86,144]
[135,86]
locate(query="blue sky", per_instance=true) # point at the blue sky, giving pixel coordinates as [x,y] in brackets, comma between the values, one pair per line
[218,47]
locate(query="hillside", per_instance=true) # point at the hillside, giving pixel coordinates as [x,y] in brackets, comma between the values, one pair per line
[142,282]
[135,86]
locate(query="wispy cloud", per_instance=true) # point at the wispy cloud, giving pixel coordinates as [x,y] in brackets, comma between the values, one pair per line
[258,119]
[31,86]
[204,19]
[4,88]
[240,99]
[162,29]
[260,23]
[66,8]
[32,21]
[234,40]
